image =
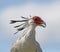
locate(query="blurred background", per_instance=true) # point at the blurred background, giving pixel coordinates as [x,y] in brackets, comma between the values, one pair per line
[48,10]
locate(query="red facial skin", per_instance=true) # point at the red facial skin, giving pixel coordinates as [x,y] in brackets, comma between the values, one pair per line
[37,20]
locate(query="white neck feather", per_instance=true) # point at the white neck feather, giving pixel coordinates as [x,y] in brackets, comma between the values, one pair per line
[30,34]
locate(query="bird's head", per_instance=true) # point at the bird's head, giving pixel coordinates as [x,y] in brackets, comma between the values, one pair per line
[37,21]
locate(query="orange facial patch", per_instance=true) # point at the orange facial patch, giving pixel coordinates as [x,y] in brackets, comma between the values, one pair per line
[37,20]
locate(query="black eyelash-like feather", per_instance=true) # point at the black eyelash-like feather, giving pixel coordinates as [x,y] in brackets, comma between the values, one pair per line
[14,21]
[19,25]
[24,17]
[20,29]
[23,26]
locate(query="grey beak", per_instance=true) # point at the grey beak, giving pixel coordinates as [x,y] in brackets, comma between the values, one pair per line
[43,24]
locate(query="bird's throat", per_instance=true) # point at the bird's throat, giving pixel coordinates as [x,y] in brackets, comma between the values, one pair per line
[30,33]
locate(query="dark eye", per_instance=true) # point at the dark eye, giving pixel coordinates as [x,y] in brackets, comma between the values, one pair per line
[36,19]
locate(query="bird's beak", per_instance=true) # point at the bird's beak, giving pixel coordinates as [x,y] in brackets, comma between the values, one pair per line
[43,24]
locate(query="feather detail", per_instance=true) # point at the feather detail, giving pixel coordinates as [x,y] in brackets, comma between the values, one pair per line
[19,25]
[14,21]
[19,30]
[24,17]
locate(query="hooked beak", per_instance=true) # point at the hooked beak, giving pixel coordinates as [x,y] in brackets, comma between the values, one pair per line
[43,24]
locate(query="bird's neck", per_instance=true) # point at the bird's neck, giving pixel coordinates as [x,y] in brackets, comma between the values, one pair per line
[30,32]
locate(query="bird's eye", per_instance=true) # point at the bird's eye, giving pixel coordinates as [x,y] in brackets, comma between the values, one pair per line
[36,19]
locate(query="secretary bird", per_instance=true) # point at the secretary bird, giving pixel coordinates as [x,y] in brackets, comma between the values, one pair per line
[28,43]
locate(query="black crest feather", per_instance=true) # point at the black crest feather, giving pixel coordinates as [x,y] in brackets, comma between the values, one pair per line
[22,25]
[14,21]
